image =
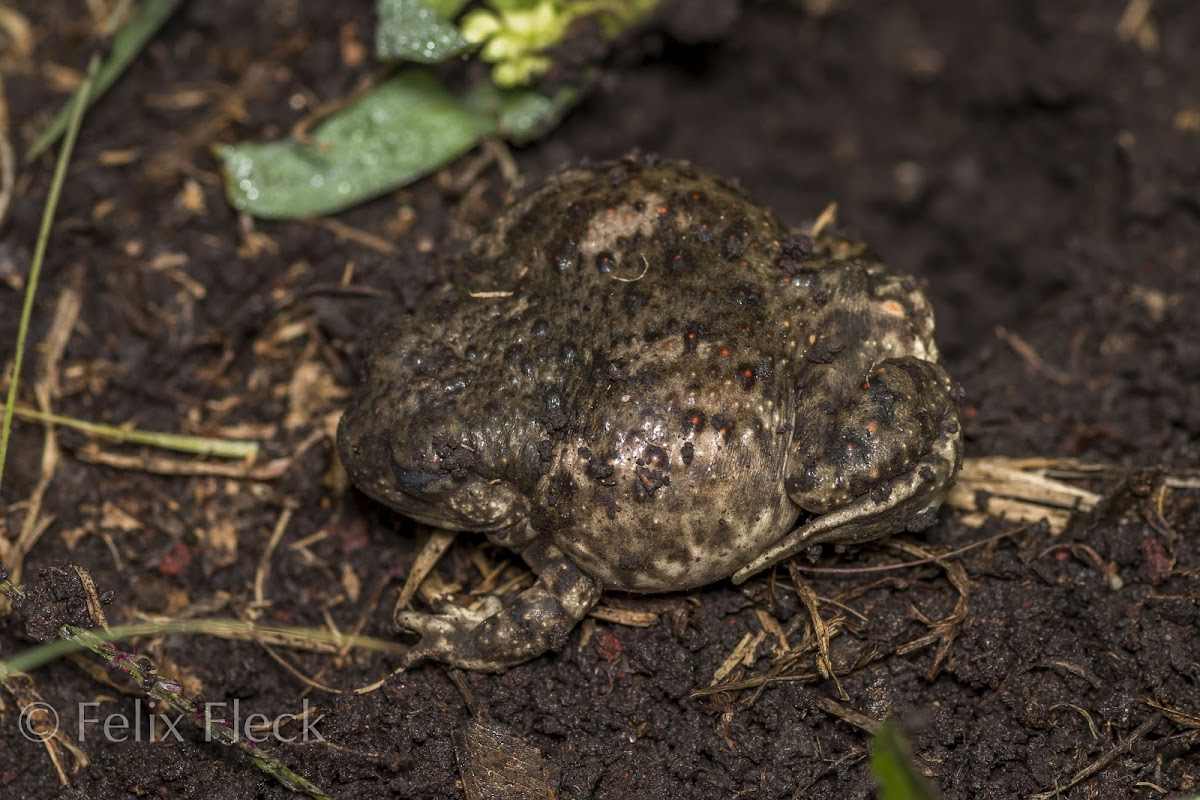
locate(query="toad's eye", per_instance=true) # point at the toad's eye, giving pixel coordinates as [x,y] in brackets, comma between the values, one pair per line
[413,481]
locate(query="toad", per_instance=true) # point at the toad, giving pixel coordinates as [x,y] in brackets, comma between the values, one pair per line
[641,380]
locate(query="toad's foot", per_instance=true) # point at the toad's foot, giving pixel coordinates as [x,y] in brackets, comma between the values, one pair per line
[538,620]
[916,401]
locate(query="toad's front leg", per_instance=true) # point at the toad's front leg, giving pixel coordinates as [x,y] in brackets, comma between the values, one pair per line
[539,619]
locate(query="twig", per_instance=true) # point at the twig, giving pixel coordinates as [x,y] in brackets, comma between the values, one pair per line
[1031,358]
[264,561]
[848,715]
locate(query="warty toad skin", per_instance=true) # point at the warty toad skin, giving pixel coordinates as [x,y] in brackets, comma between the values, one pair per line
[642,380]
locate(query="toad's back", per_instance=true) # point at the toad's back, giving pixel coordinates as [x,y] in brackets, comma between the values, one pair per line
[655,320]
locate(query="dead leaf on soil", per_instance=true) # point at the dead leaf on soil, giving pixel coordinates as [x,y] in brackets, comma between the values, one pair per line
[497,765]
[218,545]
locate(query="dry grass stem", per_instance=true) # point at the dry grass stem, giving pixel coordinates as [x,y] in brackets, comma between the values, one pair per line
[944,630]
[628,617]
[1018,491]
[744,646]
[435,547]
[821,631]
[826,218]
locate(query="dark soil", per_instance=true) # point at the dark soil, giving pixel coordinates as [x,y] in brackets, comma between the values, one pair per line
[1037,170]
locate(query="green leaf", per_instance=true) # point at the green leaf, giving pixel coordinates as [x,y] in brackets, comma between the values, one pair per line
[513,5]
[412,30]
[520,114]
[446,9]
[893,765]
[399,131]
[126,45]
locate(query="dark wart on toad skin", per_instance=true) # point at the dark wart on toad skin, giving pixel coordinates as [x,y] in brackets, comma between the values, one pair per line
[642,380]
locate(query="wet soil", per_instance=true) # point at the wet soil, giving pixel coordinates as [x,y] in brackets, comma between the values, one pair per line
[1036,165]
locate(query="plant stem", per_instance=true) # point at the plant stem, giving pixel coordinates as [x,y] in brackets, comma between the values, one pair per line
[39,253]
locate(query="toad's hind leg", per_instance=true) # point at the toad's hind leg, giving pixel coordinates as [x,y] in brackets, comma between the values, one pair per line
[894,478]
[539,619]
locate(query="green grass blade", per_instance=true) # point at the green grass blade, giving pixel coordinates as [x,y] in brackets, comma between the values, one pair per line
[42,654]
[180,443]
[39,251]
[125,47]
[892,763]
